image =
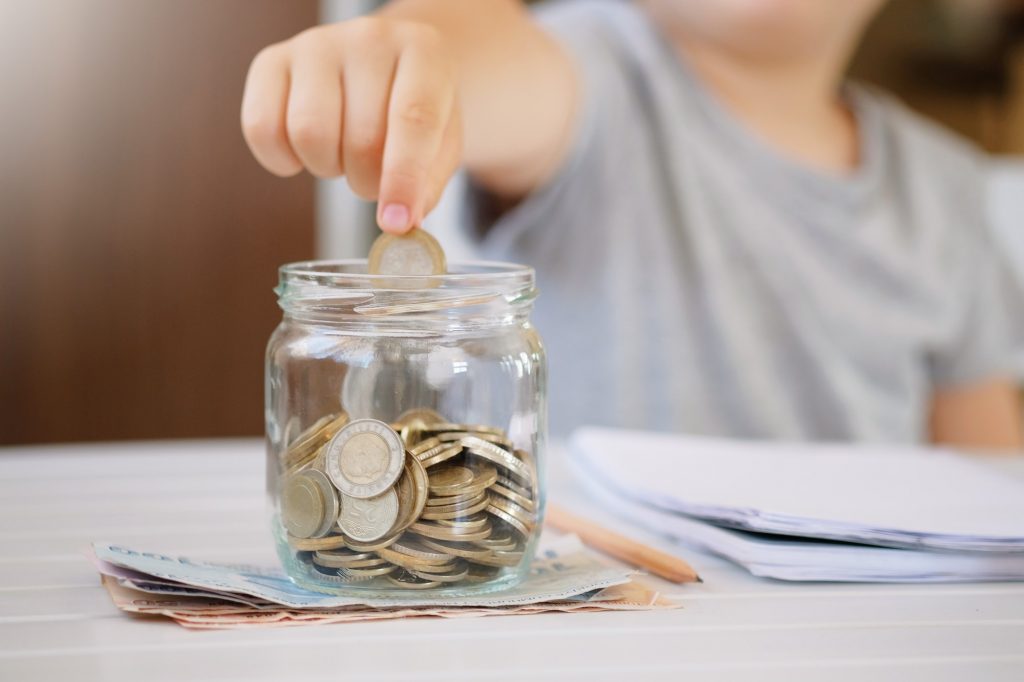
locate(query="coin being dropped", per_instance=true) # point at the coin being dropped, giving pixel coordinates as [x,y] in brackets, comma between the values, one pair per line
[415,253]
[368,519]
[365,458]
[309,505]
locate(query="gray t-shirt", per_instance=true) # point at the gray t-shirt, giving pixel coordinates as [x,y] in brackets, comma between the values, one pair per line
[694,280]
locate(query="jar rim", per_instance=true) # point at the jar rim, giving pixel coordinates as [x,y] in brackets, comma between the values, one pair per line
[472,292]
[348,273]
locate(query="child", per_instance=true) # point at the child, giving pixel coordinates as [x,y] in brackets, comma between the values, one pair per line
[729,239]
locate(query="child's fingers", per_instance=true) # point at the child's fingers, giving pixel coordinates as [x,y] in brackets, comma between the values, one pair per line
[263,111]
[314,116]
[367,82]
[422,98]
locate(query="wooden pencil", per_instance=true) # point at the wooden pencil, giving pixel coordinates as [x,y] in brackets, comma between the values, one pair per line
[661,564]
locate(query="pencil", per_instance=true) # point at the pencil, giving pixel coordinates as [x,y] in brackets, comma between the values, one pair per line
[661,564]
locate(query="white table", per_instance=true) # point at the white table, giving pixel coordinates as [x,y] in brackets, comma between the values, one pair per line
[205,499]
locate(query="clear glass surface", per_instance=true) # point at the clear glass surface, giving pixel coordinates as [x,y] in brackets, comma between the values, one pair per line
[453,368]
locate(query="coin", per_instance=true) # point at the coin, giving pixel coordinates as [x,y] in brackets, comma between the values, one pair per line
[418,563]
[374,545]
[309,504]
[499,456]
[460,549]
[414,253]
[328,560]
[309,441]
[407,581]
[424,445]
[412,494]
[443,454]
[423,414]
[316,544]
[432,529]
[447,480]
[366,573]
[509,519]
[411,546]
[513,496]
[368,519]
[454,511]
[451,575]
[365,458]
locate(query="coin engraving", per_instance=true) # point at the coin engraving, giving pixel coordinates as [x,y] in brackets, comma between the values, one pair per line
[365,458]
[367,519]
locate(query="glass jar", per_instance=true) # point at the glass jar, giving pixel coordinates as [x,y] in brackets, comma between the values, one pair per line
[406,426]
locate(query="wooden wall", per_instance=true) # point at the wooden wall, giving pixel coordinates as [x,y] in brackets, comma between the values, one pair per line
[138,238]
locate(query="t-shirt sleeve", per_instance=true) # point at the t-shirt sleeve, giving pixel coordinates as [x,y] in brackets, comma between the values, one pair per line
[987,337]
[593,164]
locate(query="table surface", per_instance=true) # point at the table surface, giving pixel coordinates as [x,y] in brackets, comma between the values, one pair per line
[206,499]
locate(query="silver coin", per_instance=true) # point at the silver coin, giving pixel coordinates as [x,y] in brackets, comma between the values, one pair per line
[368,519]
[309,504]
[365,458]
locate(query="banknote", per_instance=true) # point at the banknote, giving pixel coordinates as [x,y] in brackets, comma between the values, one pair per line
[563,571]
[207,613]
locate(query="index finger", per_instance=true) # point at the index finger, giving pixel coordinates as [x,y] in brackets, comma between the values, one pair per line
[422,98]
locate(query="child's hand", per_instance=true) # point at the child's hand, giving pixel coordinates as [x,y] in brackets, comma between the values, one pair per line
[372,99]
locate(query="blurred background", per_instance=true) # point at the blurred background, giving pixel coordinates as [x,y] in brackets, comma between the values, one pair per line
[139,240]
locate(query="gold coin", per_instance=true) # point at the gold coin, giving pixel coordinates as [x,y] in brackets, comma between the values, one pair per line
[467,523]
[501,537]
[407,581]
[448,480]
[423,446]
[316,544]
[309,441]
[333,560]
[309,504]
[509,519]
[449,500]
[514,487]
[416,563]
[415,253]
[460,549]
[423,414]
[524,516]
[502,559]
[436,456]
[432,529]
[368,519]
[454,511]
[366,573]
[372,546]
[474,428]
[414,547]
[484,476]
[365,458]
[511,495]
[499,456]
[455,577]
[452,436]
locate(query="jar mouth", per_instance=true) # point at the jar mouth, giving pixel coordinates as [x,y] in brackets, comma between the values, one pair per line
[352,272]
[345,287]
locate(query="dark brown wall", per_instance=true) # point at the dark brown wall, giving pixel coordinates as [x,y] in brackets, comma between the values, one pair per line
[138,239]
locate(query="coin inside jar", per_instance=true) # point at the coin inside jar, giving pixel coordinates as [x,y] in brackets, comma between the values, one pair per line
[367,519]
[415,253]
[309,504]
[365,458]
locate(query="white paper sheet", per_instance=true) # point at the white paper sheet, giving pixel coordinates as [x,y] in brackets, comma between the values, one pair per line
[894,496]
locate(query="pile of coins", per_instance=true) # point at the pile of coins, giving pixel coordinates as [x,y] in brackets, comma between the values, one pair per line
[421,503]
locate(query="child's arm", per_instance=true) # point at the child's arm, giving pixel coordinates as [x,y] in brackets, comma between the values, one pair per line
[398,100]
[986,415]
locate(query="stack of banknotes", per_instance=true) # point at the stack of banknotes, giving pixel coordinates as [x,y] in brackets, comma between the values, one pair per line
[203,595]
